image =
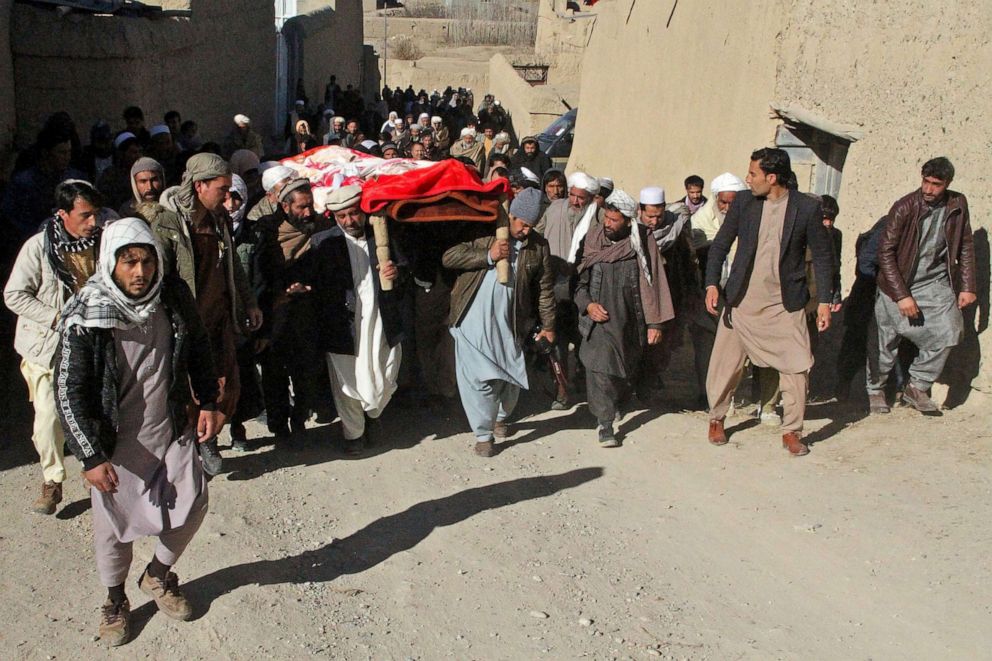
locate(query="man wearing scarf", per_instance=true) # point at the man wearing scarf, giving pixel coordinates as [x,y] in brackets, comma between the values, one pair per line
[147,184]
[490,320]
[531,157]
[623,300]
[51,266]
[359,326]
[131,357]
[565,224]
[197,245]
[670,231]
[282,239]
[468,147]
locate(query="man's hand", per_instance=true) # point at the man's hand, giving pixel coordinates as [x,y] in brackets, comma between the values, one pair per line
[712,299]
[388,270]
[499,250]
[965,299]
[654,336]
[297,288]
[597,313]
[835,308]
[254,319]
[208,425]
[549,335]
[221,385]
[908,307]
[823,317]
[103,477]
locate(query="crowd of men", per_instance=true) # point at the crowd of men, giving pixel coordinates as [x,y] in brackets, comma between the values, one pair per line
[166,288]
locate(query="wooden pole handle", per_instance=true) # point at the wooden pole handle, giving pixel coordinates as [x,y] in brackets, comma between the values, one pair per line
[503,265]
[381,233]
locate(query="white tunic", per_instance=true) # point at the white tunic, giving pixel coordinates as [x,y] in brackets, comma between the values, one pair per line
[370,375]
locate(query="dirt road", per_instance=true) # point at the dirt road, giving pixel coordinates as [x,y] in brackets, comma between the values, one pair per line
[874,546]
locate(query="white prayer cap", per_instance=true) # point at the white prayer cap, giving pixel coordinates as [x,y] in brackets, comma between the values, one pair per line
[301,102]
[605,182]
[435,120]
[242,120]
[274,175]
[727,182]
[530,176]
[467,131]
[497,102]
[328,112]
[320,198]
[369,144]
[652,195]
[124,136]
[422,115]
[397,122]
[624,203]
[344,198]
[158,129]
[584,182]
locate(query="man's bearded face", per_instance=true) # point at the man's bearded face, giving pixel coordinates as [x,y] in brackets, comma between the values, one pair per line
[149,185]
[351,221]
[724,200]
[616,226]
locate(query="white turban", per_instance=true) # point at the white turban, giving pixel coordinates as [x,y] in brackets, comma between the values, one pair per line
[435,120]
[727,182]
[158,129]
[274,175]
[584,182]
[467,131]
[530,176]
[242,120]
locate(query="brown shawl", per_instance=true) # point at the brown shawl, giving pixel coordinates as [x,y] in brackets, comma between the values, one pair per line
[655,296]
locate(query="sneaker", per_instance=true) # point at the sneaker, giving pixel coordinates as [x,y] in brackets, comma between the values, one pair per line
[51,495]
[115,623]
[239,438]
[485,448]
[167,596]
[606,437]
[501,429]
[213,463]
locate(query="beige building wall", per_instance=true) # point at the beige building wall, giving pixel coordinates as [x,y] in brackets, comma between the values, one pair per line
[95,66]
[332,44]
[658,103]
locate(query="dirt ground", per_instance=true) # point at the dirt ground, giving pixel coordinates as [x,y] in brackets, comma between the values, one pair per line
[875,546]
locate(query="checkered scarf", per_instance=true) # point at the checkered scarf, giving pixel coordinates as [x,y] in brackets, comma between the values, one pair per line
[101,303]
[58,242]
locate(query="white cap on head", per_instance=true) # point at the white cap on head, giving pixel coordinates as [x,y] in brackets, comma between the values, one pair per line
[467,131]
[435,120]
[530,176]
[274,175]
[652,195]
[422,115]
[727,182]
[242,120]
[124,136]
[584,182]
[397,122]
[301,102]
[158,129]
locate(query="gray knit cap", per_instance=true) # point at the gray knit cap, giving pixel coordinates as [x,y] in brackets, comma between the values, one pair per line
[527,205]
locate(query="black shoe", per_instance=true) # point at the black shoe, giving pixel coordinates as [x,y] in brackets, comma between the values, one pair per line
[373,431]
[281,432]
[355,447]
[298,426]
[239,438]
[606,437]
[213,463]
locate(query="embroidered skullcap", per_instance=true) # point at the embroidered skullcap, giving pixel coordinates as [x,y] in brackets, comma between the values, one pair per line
[652,195]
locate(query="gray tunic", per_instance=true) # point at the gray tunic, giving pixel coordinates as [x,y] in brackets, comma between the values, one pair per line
[940,324]
[485,346]
[160,478]
[616,346]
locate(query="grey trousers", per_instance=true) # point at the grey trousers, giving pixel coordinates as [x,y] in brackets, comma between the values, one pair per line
[923,371]
[113,557]
[485,403]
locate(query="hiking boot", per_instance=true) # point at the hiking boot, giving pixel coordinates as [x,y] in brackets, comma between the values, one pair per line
[606,437]
[485,448]
[920,400]
[213,463]
[115,622]
[877,404]
[792,441]
[167,596]
[716,435]
[501,429]
[51,495]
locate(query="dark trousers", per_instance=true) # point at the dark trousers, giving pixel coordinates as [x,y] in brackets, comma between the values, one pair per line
[605,392]
[250,401]
[290,357]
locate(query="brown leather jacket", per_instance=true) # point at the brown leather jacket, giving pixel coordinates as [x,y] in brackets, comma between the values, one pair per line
[900,243]
[534,286]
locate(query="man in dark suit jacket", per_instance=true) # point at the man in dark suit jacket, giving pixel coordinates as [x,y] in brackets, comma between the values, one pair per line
[766,293]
